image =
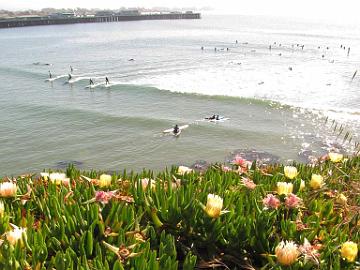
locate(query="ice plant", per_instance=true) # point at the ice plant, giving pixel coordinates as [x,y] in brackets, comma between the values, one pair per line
[271,201]
[286,252]
[349,251]
[284,188]
[45,175]
[310,252]
[316,181]
[59,178]
[335,157]
[213,206]
[103,196]
[292,201]
[248,183]
[290,172]
[145,182]
[182,170]
[15,235]
[8,189]
[104,180]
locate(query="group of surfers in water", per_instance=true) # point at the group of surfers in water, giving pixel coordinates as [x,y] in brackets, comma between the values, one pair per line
[176,129]
[70,77]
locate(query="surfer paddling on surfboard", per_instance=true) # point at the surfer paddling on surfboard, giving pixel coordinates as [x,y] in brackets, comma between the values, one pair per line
[176,129]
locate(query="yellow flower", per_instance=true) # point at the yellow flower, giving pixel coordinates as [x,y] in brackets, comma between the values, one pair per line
[290,172]
[349,251]
[302,185]
[214,205]
[341,199]
[284,188]
[15,235]
[8,189]
[286,252]
[104,180]
[2,208]
[59,178]
[45,175]
[184,170]
[316,181]
[335,157]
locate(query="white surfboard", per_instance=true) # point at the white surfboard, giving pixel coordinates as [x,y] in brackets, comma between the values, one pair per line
[55,78]
[93,85]
[171,130]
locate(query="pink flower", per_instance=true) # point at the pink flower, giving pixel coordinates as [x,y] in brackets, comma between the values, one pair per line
[103,196]
[243,163]
[310,252]
[248,183]
[226,169]
[270,201]
[292,201]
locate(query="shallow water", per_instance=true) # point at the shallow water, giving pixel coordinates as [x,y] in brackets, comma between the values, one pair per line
[271,108]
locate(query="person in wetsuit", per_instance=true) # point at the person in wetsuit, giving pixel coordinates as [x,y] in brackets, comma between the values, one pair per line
[217,117]
[69,77]
[107,80]
[176,129]
[91,82]
[50,75]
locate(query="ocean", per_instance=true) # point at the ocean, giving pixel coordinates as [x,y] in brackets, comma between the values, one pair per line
[284,102]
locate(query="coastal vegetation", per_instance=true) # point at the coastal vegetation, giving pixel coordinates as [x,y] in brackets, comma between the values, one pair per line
[243,216]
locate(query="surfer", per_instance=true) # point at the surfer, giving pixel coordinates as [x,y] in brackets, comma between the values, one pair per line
[71,69]
[91,82]
[217,117]
[50,75]
[69,77]
[176,129]
[106,81]
[348,51]
[202,48]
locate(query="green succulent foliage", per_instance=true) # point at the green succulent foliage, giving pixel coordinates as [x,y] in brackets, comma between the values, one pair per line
[166,226]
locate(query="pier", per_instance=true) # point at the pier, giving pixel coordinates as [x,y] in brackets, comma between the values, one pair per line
[34,21]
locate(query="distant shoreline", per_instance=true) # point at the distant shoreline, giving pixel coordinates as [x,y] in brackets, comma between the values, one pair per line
[37,21]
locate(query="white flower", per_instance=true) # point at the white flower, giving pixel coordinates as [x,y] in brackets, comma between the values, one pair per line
[59,178]
[184,170]
[214,205]
[8,189]
[286,252]
[15,235]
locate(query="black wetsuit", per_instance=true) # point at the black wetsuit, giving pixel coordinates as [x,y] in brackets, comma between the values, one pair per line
[176,129]
[107,80]
[91,82]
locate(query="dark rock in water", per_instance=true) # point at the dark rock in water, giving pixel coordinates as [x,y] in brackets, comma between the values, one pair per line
[65,163]
[200,165]
[261,157]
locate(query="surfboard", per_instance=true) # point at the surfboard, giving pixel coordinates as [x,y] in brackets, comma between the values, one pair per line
[93,85]
[221,119]
[170,130]
[55,78]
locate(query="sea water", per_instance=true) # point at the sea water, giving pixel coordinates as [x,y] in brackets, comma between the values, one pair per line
[282,101]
